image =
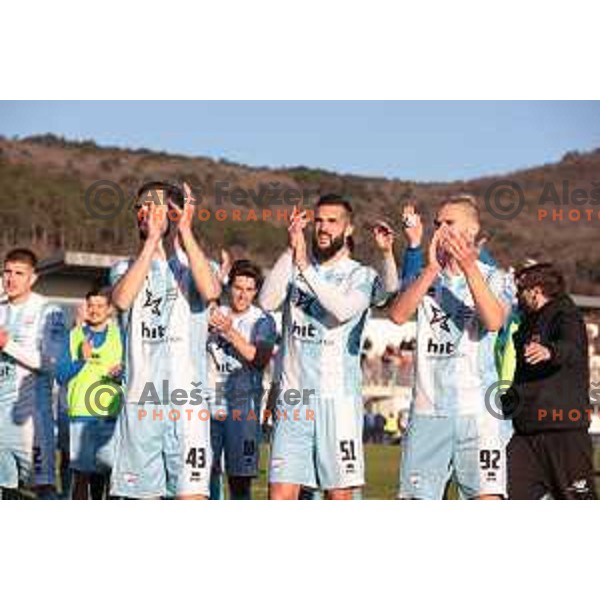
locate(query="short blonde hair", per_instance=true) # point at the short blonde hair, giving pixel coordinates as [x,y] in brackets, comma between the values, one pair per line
[466,200]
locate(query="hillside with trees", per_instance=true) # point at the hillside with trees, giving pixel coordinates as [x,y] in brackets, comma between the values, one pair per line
[44,179]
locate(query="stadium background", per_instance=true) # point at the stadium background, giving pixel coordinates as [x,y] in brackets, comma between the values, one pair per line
[50,176]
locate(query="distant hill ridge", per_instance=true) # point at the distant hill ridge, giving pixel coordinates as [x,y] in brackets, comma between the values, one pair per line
[43,180]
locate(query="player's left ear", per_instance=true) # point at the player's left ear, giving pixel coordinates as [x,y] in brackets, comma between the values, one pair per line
[34,278]
[349,230]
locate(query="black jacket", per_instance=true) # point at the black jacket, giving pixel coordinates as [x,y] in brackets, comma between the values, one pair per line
[559,385]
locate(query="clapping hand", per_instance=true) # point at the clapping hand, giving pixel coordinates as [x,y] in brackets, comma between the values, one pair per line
[296,237]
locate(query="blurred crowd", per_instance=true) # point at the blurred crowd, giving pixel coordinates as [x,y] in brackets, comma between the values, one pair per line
[393,367]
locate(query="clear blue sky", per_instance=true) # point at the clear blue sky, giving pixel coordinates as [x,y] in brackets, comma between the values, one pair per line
[422,141]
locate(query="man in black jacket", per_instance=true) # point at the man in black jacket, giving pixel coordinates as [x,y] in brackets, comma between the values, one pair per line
[550,454]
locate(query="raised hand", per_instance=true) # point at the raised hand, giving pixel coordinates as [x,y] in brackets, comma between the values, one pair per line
[225,267]
[296,237]
[384,237]
[435,251]
[412,225]
[157,217]
[185,216]
[461,249]
[220,322]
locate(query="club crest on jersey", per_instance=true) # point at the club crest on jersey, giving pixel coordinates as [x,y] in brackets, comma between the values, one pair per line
[153,302]
[440,318]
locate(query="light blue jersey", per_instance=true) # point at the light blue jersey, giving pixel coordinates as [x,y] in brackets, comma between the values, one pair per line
[317,439]
[235,428]
[37,333]
[162,443]
[455,362]
[232,378]
[165,331]
[451,433]
[318,353]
